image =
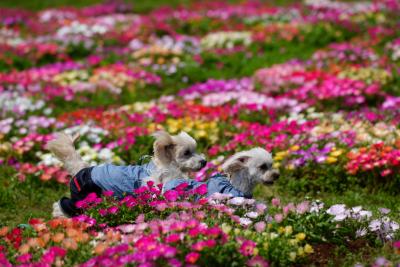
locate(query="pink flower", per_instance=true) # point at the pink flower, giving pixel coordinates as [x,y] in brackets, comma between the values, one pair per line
[303,207]
[260,226]
[257,261]
[192,257]
[289,207]
[261,207]
[247,247]
[113,210]
[171,195]
[174,263]
[24,258]
[172,238]
[202,189]
[278,217]
[276,202]
[103,212]
[108,193]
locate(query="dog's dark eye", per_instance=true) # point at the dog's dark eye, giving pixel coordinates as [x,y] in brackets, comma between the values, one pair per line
[187,153]
[264,167]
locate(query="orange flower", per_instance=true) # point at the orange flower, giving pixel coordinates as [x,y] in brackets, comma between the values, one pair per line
[100,248]
[54,223]
[58,237]
[24,248]
[3,231]
[72,232]
[69,243]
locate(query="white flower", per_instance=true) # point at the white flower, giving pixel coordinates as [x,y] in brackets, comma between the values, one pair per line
[337,209]
[245,221]
[375,225]
[252,214]
[365,213]
[361,232]
[340,217]
[238,201]
[395,226]
[356,209]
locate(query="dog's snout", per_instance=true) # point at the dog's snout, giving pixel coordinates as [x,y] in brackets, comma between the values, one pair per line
[203,163]
[275,175]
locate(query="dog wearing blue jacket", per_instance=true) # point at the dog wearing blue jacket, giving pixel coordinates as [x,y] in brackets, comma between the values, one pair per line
[242,172]
[173,156]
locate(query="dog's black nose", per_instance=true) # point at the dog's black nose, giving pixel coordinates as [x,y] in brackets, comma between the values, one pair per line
[203,163]
[275,175]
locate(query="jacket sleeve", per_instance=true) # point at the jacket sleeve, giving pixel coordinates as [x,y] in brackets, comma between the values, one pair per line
[219,184]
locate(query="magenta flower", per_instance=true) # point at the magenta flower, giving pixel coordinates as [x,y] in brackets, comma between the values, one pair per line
[257,261]
[108,193]
[247,247]
[172,238]
[24,258]
[103,212]
[171,195]
[113,210]
[202,189]
[192,257]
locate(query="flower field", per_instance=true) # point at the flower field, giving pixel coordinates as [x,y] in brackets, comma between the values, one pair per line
[316,83]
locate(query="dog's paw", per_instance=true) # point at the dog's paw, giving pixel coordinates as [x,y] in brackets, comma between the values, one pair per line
[57,211]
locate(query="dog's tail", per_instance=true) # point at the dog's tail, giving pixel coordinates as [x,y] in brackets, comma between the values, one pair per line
[62,146]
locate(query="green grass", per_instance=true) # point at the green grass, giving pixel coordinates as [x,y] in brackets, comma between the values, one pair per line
[20,201]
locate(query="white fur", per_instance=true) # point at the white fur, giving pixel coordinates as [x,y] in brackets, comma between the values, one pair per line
[57,211]
[175,156]
[248,168]
[169,155]
[63,148]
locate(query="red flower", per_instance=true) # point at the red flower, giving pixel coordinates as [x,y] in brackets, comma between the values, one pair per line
[192,257]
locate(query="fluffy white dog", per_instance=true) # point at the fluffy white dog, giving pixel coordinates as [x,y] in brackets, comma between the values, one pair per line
[174,155]
[248,168]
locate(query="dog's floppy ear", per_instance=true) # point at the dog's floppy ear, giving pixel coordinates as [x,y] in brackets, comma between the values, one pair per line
[163,148]
[235,163]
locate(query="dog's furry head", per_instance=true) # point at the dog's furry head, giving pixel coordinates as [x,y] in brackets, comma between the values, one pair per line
[178,151]
[248,168]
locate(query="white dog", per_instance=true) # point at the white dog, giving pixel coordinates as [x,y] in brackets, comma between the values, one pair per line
[248,168]
[174,157]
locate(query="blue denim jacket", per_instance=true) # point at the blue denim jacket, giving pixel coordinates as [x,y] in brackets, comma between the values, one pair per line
[217,183]
[125,179]
[121,179]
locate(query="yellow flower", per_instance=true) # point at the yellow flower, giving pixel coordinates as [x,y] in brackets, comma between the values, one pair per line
[266,245]
[293,242]
[273,235]
[337,153]
[331,159]
[292,256]
[300,251]
[226,228]
[288,230]
[295,148]
[290,167]
[255,251]
[236,231]
[308,249]
[276,165]
[300,236]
